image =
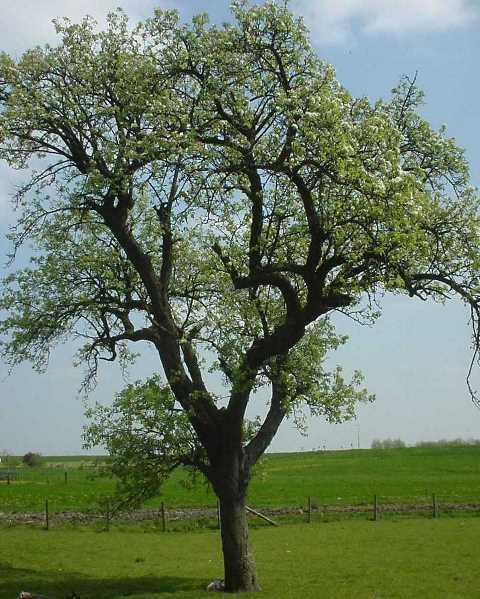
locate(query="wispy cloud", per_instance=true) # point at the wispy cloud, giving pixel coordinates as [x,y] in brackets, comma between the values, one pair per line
[29,23]
[338,21]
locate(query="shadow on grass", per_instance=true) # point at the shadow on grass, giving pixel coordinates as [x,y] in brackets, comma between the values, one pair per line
[60,584]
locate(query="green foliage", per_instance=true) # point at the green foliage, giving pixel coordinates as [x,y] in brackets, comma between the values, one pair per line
[146,435]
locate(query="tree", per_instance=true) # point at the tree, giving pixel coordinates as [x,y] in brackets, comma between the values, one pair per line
[32,459]
[215,192]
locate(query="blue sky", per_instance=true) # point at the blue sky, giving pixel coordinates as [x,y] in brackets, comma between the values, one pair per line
[416,357]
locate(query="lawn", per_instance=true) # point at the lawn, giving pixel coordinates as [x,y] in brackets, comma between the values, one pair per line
[354,559]
[342,477]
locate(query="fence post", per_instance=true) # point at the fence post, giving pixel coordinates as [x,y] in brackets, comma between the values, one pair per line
[375,508]
[434,506]
[65,477]
[8,478]
[107,515]
[164,524]
[47,516]
[309,509]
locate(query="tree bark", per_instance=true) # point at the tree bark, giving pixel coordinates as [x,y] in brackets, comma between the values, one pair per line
[239,564]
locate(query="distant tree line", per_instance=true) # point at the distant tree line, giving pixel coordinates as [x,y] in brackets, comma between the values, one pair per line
[458,442]
[30,459]
[387,443]
[398,443]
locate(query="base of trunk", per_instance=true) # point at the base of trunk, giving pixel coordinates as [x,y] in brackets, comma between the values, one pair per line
[239,565]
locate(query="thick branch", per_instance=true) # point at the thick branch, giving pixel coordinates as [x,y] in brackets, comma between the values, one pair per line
[164,214]
[256,226]
[191,361]
[286,335]
[203,413]
[262,276]
[268,430]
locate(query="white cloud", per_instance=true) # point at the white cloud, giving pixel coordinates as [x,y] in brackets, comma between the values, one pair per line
[27,23]
[335,21]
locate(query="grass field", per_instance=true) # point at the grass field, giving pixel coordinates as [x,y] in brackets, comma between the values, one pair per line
[427,559]
[356,558]
[331,477]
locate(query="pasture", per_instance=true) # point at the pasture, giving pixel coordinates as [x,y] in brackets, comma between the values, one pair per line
[329,478]
[431,559]
[392,558]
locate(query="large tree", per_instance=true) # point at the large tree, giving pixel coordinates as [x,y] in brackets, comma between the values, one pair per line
[215,192]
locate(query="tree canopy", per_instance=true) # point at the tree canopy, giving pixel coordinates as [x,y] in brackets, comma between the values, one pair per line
[215,191]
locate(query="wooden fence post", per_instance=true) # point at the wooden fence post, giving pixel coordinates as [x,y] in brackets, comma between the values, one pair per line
[434,506]
[107,515]
[8,478]
[375,508]
[309,509]
[164,523]
[66,480]
[47,516]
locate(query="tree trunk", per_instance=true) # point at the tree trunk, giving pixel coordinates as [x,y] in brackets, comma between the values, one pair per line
[239,565]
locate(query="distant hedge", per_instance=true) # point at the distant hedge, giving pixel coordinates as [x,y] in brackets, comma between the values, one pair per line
[387,444]
[450,443]
[398,443]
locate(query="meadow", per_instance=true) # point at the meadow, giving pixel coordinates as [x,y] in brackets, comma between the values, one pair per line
[328,477]
[334,558]
[415,558]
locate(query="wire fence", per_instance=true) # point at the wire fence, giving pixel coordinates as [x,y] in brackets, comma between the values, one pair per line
[57,495]
[171,518]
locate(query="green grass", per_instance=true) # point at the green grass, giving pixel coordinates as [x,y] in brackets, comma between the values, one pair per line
[355,476]
[81,492]
[431,559]
[332,477]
